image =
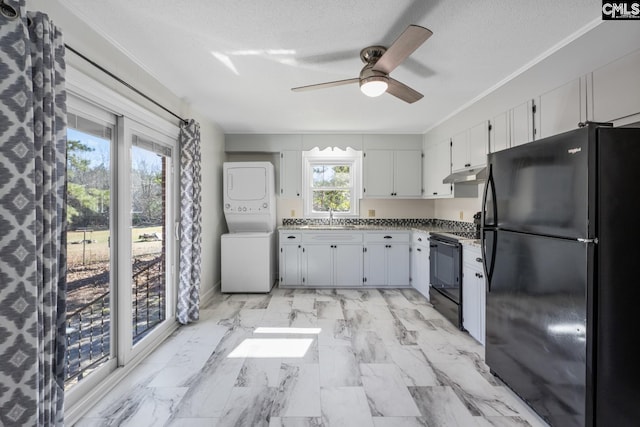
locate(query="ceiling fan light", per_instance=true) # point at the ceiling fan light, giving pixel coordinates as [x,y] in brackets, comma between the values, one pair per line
[374,86]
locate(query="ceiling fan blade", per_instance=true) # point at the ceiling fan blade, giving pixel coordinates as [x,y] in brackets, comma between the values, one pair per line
[325,85]
[402,91]
[405,45]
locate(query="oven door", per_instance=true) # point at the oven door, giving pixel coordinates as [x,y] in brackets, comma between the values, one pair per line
[445,268]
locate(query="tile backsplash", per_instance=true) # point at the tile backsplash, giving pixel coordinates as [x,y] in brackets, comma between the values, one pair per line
[392,222]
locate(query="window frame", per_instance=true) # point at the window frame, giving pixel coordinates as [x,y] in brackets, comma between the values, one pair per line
[332,156]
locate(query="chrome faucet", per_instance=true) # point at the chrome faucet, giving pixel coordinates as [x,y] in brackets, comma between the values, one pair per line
[330,216]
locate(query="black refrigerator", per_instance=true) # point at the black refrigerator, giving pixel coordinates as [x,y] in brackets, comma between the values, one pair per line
[562,259]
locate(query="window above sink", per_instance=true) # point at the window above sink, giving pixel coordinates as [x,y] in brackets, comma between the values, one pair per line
[332,183]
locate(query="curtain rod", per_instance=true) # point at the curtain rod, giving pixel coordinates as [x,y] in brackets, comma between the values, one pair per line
[110,74]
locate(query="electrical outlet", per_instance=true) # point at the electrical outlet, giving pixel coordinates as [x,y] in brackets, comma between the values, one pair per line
[293,213]
[372,213]
[461,215]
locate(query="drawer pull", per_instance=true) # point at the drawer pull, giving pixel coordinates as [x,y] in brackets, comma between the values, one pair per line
[388,237]
[291,237]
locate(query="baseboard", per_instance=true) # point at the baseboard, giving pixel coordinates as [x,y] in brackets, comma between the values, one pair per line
[207,297]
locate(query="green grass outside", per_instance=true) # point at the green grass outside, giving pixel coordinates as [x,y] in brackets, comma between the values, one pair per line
[98,249]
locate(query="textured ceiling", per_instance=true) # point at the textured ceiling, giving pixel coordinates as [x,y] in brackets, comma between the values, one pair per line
[236,60]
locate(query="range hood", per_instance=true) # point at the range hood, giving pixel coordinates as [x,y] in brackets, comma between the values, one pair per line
[468,176]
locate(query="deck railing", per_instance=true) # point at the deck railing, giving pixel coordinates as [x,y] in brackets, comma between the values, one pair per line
[148,293]
[88,328]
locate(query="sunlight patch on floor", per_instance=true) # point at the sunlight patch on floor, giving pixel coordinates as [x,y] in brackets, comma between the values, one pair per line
[272,347]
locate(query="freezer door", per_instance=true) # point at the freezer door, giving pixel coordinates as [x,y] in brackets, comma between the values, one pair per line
[541,187]
[536,321]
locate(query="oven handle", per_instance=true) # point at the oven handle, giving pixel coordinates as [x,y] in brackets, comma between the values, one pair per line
[440,242]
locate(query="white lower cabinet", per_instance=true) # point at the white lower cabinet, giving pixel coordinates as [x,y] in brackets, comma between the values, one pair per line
[473,293]
[332,259]
[333,265]
[420,263]
[387,259]
[290,259]
[345,258]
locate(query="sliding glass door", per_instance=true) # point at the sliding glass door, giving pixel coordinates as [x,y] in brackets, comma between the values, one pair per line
[150,163]
[120,242]
[146,257]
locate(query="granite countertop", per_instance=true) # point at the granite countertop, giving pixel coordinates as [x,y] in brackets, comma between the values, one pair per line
[366,227]
[471,242]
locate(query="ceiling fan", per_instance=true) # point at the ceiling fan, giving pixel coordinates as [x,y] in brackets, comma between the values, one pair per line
[379,61]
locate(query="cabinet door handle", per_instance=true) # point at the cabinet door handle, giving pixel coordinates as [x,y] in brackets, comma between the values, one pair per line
[419,239]
[479,259]
[467,165]
[419,250]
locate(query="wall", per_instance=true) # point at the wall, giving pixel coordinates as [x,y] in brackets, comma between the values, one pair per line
[461,209]
[86,40]
[570,60]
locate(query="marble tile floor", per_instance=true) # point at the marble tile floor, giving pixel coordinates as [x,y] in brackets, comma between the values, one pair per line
[342,357]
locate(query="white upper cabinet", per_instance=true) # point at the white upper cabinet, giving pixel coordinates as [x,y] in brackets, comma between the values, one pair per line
[470,147]
[512,127]
[378,173]
[437,166]
[616,92]
[479,144]
[290,174]
[521,124]
[500,133]
[561,109]
[393,173]
[407,178]
[460,151]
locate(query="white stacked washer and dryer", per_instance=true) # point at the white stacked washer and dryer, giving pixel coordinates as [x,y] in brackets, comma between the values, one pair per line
[249,249]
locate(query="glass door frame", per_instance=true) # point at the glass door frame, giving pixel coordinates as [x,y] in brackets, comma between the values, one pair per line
[126,350]
[99,115]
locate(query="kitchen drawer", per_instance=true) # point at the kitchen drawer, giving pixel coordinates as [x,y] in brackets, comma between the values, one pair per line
[420,238]
[333,237]
[387,237]
[472,256]
[286,237]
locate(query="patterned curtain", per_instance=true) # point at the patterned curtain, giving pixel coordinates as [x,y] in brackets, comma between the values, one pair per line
[32,218]
[190,223]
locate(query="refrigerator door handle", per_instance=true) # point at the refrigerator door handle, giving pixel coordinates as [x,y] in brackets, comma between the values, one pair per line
[488,269]
[485,193]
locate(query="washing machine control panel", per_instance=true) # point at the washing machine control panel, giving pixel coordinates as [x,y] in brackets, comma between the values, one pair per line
[244,207]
